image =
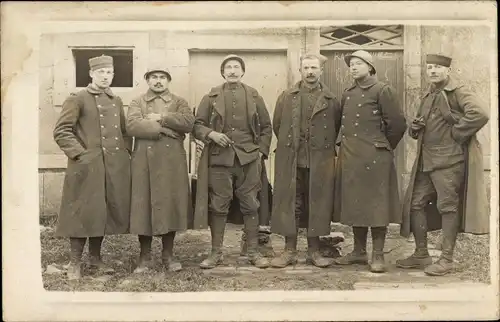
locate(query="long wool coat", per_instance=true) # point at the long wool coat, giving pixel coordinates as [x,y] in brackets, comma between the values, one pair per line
[96,190]
[161,199]
[462,111]
[372,126]
[325,122]
[211,116]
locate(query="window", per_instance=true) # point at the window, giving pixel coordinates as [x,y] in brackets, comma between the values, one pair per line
[363,35]
[122,60]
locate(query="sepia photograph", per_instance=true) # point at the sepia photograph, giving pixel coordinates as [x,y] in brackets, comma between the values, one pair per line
[276,159]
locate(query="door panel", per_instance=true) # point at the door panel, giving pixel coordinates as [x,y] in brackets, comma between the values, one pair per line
[265,71]
[389,67]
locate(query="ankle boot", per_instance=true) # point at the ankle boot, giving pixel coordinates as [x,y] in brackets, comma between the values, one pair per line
[420,258]
[265,244]
[377,264]
[145,256]
[75,264]
[167,254]
[444,265]
[314,256]
[289,255]
[252,235]
[358,255]
[217,228]
[96,262]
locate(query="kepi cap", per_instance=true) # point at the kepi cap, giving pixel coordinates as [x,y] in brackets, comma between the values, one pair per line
[231,57]
[158,69]
[438,60]
[102,61]
[363,55]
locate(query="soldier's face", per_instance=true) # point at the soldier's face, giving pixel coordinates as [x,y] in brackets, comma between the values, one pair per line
[233,71]
[437,73]
[359,68]
[102,77]
[311,70]
[158,82]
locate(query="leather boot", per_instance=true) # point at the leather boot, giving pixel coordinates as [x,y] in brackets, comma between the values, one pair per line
[167,254]
[420,258]
[252,235]
[217,228]
[314,256]
[358,255]
[145,256]
[444,264]
[265,245]
[377,264]
[96,262]
[75,264]
[289,255]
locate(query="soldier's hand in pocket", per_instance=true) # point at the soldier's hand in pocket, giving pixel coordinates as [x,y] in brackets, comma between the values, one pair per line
[417,124]
[220,139]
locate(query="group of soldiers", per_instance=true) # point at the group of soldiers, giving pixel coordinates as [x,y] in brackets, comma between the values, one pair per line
[334,162]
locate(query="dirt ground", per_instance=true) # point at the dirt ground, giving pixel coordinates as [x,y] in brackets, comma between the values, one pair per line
[121,252]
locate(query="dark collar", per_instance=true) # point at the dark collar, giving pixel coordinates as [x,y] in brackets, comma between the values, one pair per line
[365,83]
[231,86]
[296,88]
[94,90]
[165,95]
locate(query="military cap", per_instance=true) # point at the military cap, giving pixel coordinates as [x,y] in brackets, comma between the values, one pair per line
[363,55]
[438,60]
[231,57]
[100,62]
[158,69]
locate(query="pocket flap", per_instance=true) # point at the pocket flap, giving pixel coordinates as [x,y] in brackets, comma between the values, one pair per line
[382,145]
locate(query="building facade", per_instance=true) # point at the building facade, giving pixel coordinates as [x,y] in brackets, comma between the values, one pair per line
[272,65]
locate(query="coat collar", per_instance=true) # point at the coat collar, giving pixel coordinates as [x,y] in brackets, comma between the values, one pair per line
[296,89]
[367,82]
[450,85]
[150,95]
[94,90]
[217,90]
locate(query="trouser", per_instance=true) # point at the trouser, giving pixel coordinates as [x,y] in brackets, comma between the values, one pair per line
[244,182]
[443,185]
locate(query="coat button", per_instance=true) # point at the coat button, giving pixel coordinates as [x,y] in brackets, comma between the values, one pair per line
[324,115]
[104,138]
[348,97]
[367,168]
[114,105]
[104,149]
[116,114]
[357,115]
[355,134]
[356,124]
[168,145]
[149,147]
[325,126]
[116,126]
[116,138]
[359,105]
[117,148]
[101,115]
[342,126]
[102,126]
[343,116]
[362,95]
[99,106]
[374,161]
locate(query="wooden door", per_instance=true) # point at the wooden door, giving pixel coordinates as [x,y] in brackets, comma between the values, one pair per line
[264,71]
[389,66]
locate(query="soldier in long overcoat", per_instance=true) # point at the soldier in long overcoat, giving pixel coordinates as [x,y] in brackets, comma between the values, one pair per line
[306,122]
[367,188]
[96,191]
[160,205]
[233,123]
[446,188]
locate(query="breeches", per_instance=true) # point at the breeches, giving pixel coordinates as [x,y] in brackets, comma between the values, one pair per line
[443,185]
[242,181]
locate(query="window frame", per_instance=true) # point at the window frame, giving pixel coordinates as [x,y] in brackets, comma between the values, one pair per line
[64,62]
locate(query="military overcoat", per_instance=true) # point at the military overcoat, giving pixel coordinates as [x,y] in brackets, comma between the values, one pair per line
[96,191]
[465,115]
[161,199]
[324,125]
[367,185]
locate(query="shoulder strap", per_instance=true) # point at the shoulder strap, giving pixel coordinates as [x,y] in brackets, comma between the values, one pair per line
[446,110]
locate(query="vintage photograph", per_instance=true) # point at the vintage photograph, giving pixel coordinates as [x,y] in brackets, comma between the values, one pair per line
[311,158]
[207,161]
